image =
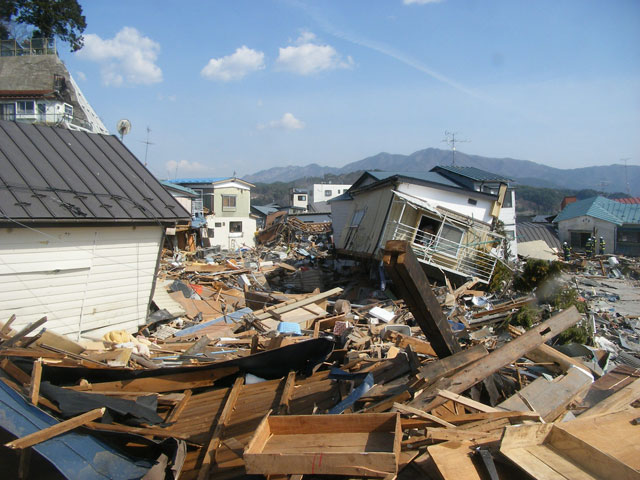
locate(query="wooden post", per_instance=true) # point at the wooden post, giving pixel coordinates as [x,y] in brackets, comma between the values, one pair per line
[508,353]
[287,391]
[34,386]
[210,453]
[412,285]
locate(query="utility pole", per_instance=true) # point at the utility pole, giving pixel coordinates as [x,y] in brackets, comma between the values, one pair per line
[626,175]
[451,140]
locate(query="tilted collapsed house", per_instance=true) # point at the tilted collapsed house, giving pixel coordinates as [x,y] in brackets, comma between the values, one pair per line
[447,214]
[82,227]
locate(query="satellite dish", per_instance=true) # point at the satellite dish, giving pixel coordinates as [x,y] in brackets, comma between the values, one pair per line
[123,127]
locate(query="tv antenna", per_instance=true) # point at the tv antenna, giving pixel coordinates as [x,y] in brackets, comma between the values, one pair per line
[123,127]
[146,146]
[626,175]
[451,140]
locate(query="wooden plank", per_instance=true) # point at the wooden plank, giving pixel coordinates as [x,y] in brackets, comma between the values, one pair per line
[550,398]
[6,328]
[508,353]
[279,310]
[427,416]
[616,402]
[210,452]
[175,413]
[287,392]
[417,345]
[413,287]
[162,383]
[432,371]
[34,386]
[467,402]
[454,460]
[147,431]
[23,333]
[55,430]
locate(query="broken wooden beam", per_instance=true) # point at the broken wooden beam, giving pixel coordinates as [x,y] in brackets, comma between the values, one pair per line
[508,353]
[55,430]
[411,284]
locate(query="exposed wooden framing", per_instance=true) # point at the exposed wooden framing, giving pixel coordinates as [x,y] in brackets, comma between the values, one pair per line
[287,392]
[162,383]
[55,430]
[413,287]
[23,333]
[34,386]
[508,353]
[209,454]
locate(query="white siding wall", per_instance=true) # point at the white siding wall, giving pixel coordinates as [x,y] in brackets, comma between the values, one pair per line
[458,202]
[231,241]
[85,280]
[319,190]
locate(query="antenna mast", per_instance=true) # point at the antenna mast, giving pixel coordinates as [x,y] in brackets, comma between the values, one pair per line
[146,147]
[451,140]
[626,175]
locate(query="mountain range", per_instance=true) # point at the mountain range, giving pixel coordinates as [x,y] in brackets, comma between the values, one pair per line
[606,178]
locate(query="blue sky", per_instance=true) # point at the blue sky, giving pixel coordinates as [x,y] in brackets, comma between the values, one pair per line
[241,85]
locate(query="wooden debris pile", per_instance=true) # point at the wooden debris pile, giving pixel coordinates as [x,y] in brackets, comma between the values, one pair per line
[231,377]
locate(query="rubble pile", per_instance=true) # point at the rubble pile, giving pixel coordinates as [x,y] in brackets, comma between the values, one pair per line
[286,362]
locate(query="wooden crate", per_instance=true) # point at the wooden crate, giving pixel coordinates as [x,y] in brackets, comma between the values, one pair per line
[352,444]
[591,449]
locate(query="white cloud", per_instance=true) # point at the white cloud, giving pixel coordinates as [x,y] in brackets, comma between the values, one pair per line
[81,76]
[306,58]
[235,66]
[420,2]
[287,122]
[127,58]
[182,167]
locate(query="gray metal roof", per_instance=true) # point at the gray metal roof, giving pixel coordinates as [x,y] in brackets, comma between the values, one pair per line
[529,231]
[50,174]
[472,173]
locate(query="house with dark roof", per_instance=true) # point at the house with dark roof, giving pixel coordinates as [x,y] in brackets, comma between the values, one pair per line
[226,202]
[616,222]
[448,215]
[82,228]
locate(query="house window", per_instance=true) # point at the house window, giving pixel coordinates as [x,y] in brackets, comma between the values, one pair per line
[449,240]
[26,108]
[427,229]
[7,111]
[472,201]
[302,198]
[628,236]
[327,193]
[357,218]
[508,199]
[68,110]
[228,203]
[235,227]
[218,224]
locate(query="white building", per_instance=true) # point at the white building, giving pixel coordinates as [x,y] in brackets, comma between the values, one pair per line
[82,230]
[326,191]
[227,207]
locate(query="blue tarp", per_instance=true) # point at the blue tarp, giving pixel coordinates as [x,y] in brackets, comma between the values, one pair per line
[75,455]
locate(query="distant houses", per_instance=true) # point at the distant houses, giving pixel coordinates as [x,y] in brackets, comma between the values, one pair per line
[617,222]
[226,203]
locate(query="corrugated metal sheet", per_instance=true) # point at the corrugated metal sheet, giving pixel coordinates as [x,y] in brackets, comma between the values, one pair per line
[75,455]
[53,174]
[603,209]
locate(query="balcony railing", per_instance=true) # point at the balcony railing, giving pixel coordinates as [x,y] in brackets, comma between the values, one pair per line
[29,46]
[445,254]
